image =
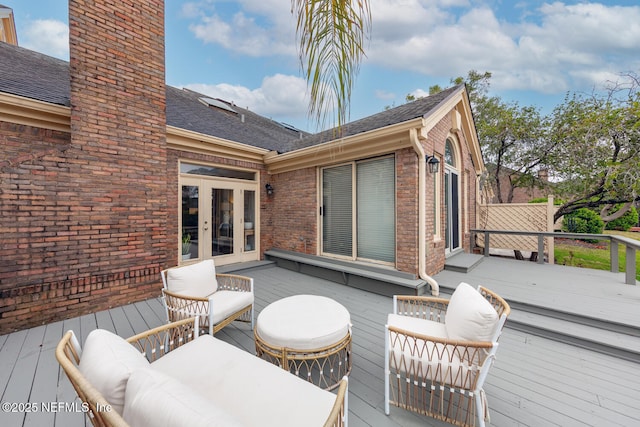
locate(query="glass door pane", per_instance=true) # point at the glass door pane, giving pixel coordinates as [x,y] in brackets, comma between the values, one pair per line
[190,216]
[249,220]
[222,209]
[455,212]
[452,209]
[337,210]
[447,222]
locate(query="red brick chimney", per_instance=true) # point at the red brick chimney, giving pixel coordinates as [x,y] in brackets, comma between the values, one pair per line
[118,133]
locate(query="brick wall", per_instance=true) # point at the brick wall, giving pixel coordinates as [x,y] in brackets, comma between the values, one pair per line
[84,222]
[294,207]
[435,142]
[290,216]
[407,211]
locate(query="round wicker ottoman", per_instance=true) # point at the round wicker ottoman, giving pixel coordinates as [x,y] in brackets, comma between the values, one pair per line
[307,335]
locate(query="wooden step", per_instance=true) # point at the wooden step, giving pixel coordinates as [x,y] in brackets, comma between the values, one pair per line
[615,339]
[462,262]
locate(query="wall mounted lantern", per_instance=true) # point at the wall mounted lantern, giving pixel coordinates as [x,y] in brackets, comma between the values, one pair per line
[269,189]
[433,163]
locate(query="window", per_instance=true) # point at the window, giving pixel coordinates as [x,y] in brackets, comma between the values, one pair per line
[449,154]
[358,210]
[191,169]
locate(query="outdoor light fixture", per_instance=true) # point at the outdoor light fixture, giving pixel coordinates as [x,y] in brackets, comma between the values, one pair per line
[433,163]
[269,188]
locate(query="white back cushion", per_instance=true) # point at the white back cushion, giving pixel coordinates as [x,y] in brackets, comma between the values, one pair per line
[469,315]
[107,361]
[155,399]
[195,280]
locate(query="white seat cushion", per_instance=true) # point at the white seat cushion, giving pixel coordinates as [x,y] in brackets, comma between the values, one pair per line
[303,322]
[156,399]
[107,361]
[470,316]
[195,280]
[225,303]
[439,363]
[256,392]
[426,359]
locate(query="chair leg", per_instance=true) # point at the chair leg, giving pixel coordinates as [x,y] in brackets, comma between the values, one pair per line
[479,408]
[386,372]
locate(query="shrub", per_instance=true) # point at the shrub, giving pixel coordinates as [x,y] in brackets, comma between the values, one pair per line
[583,220]
[556,201]
[625,222]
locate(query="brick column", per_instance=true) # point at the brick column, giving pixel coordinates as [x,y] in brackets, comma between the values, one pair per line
[118,189]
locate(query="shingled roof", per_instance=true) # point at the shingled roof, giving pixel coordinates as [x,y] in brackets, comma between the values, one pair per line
[34,75]
[400,114]
[186,110]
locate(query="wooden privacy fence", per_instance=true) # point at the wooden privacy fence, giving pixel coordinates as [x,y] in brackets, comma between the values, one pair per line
[517,217]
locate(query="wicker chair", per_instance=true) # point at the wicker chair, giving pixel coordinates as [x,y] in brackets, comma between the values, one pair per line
[438,353]
[218,299]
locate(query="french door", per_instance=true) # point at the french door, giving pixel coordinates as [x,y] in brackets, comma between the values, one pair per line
[452,208]
[218,219]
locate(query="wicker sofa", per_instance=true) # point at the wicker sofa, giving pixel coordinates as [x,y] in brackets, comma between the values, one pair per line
[169,376]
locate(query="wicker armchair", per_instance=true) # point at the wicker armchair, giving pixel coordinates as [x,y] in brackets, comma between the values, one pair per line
[438,353]
[218,299]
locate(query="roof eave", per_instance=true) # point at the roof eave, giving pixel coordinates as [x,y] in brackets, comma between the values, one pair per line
[374,142]
[458,101]
[31,112]
[187,140]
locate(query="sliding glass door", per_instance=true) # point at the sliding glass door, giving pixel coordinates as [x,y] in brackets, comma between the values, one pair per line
[358,210]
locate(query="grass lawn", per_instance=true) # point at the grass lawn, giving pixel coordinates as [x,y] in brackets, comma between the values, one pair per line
[580,254]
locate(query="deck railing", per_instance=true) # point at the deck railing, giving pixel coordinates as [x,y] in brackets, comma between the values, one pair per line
[631,246]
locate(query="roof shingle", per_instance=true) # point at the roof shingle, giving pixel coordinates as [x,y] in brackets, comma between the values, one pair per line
[41,77]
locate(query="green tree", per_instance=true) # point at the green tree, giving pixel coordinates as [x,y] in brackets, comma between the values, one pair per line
[513,138]
[625,221]
[331,46]
[597,154]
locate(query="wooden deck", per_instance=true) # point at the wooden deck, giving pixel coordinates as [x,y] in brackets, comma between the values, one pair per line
[535,381]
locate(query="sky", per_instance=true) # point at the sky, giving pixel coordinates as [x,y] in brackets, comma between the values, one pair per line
[245,51]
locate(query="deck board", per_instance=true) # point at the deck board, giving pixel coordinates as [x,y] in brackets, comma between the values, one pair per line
[534,382]
[104,321]
[46,377]
[19,385]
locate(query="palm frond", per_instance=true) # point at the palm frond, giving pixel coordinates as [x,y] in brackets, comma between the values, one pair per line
[331,47]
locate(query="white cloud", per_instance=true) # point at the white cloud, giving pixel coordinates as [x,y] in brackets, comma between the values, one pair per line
[278,96]
[47,36]
[561,46]
[419,93]
[259,28]
[551,49]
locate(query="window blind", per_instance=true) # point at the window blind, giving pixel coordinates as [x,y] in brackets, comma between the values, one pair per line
[376,221]
[337,209]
